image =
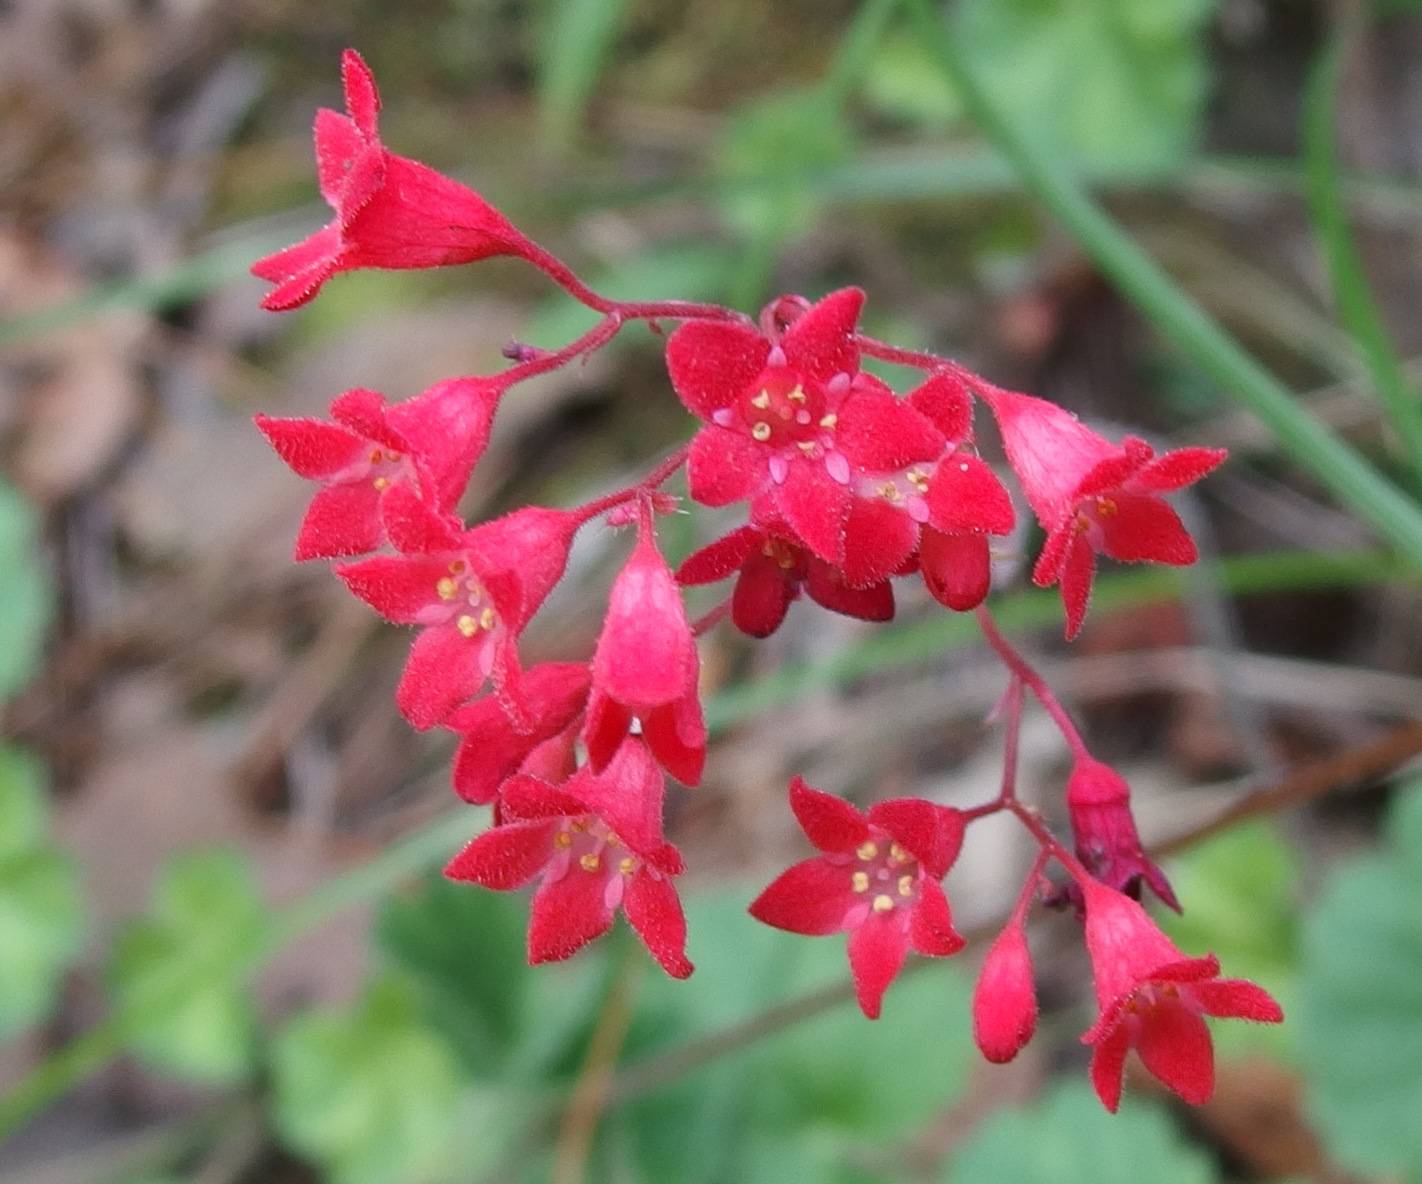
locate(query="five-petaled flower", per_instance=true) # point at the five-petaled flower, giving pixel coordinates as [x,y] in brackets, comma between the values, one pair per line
[1094,496]
[1153,998]
[595,844]
[877,879]
[391,211]
[429,444]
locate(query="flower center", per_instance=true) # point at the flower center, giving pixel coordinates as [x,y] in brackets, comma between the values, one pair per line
[781,409]
[587,847]
[466,600]
[885,876]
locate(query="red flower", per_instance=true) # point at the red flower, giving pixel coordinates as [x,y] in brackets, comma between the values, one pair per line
[1005,999]
[391,212]
[772,570]
[1094,496]
[473,591]
[1153,998]
[596,845]
[877,879]
[645,668]
[1104,830]
[491,749]
[429,443]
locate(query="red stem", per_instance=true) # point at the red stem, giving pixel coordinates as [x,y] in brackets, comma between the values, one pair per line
[657,477]
[710,619]
[1034,682]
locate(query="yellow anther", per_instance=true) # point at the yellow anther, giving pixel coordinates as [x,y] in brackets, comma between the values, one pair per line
[797,395]
[486,619]
[589,862]
[562,839]
[785,562]
[860,881]
[578,824]
[918,479]
[613,840]
[882,904]
[392,456]
[446,588]
[467,625]
[905,885]
[808,447]
[890,492]
[767,549]
[627,865]
[1105,506]
[898,855]
[761,401]
[382,483]
[456,567]
[375,456]
[829,422]
[761,430]
[867,851]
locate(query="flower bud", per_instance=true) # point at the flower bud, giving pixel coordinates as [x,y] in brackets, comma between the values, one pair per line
[1005,1000]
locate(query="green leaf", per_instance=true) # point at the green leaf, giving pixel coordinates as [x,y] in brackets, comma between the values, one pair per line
[904,82]
[1108,82]
[581,33]
[25,602]
[1069,1138]
[1239,892]
[197,939]
[41,906]
[1360,1001]
[367,1091]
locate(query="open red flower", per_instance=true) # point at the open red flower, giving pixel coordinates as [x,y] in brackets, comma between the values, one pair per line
[391,211]
[429,444]
[770,571]
[472,591]
[1092,496]
[876,879]
[1154,999]
[595,845]
[645,668]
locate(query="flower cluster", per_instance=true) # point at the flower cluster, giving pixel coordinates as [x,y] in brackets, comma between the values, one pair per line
[845,486]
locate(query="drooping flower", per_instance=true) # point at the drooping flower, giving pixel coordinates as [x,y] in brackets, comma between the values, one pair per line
[771,569]
[1099,804]
[472,591]
[645,668]
[391,212]
[1154,999]
[596,845]
[1092,496]
[492,749]
[429,444]
[1005,997]
[877,878]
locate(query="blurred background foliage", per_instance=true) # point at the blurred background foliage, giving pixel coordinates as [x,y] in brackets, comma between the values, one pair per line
[225,955]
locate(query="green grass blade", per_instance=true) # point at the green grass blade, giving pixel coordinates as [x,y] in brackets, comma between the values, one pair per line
[580,36]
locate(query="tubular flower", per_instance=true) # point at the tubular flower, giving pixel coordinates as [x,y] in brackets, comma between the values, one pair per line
[471,591]
[429,444]
[1153,998]
[1092,496]
[770,571]
[391,212]
[1005,998]
[877,879]
[1104,830]
[645,668]
[595,845]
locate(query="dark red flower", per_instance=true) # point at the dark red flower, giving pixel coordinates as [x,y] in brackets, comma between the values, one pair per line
[772,569]
[472,591]
[1153,998]
[1005,998]
[595,845]
[491,749]
[877,879]
[1094,496]
[429,444]
[1104,830]
[645,668]
[391,212]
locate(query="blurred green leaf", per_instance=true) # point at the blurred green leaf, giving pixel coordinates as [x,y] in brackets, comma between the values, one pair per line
[1068,1137]
[580,35]
[905,83]
[1360,1003]
[367,1091]
[1239,891]
[1108,82]
[41,907]
[24,592]
[206,915]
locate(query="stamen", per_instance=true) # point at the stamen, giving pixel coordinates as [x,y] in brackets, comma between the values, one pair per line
[897,854]
[867,851]
[882,904]
[382,483]
[761,401]
[761,431]
[627,865]
[486,619]
[446,588]
[562,839]
[807,447]
[1105,506]
[589,862]
[830,422]
[797,395]
[905,885]
[467,625]
[860,881]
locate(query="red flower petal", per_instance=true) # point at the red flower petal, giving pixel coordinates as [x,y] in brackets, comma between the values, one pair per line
[312,447]
[931,929]
[507,857]
[815,507]
[1177,469]
[444,670]
[447,429]
[881,433]
[606,727]
[957,568]
[1145,529]
[362,97]
[526,798]
[1174,1044]
[300,269]
[627,795]
[338,143]
[724,467]
[676,734]
[827,588]
[1048,568]
[717,560]
[566,914]
[363,410]
[762,597]
[946,401]
[812,897]
[654,911]
[877,950]
[341,520]
[1108,1065]
[399,587]
[932,833]
[878,537]
[829,822]
[965,495]
[414,526]
[820,344]
[1237,999]
[645,654]
[711,363]
[1076,578]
